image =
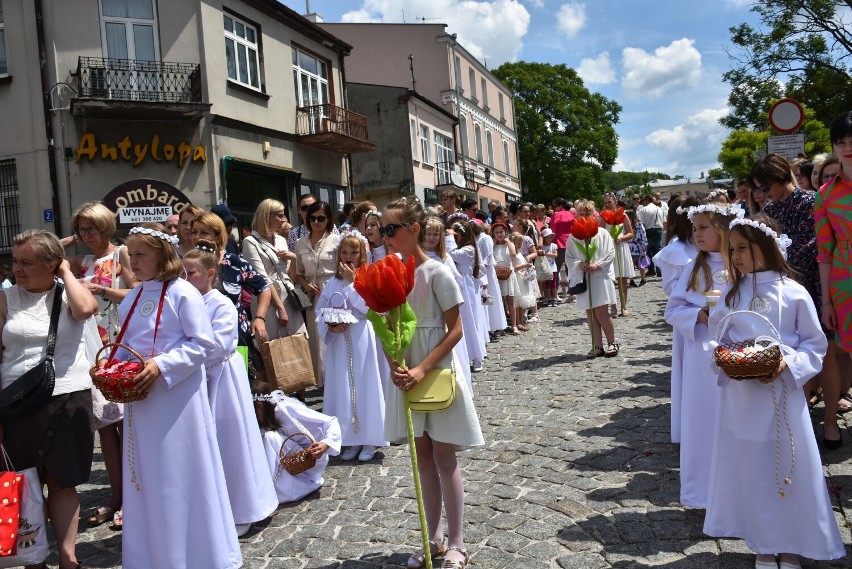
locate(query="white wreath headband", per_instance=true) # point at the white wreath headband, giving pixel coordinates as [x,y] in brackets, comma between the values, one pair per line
[716,193]
[458,215]
[275,397]
[782,241]
[154,233]
[735,210]
[459,227]
[355,233]
[205,248]
[374,213]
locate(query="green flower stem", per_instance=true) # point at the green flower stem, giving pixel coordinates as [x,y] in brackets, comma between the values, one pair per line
[412,449]
[622,294]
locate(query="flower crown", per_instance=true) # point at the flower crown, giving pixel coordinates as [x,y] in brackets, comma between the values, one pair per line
[457,215]
[354,233]
[782,241]
[735,210]
[154,233]
[276,396]
[205,248]
[459,227]
[373,212]
[716,193]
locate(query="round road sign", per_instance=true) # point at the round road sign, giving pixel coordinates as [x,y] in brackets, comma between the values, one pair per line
[786,115]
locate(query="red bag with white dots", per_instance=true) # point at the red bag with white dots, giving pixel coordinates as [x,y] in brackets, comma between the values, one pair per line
[23,536]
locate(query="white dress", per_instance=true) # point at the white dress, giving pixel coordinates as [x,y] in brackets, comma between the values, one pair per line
[495,312]
[671,260]
[474,319]
[249,484]
[700,396]
[743,500]
[376,254]
[508,287]
[181,515]
[434,293]
[295,417]
[627,270]
[599,282]
[524,295]
[364,401]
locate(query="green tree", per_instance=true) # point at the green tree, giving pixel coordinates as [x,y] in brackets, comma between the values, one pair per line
[622,180]
[718,174]
[566,133]
[804,42]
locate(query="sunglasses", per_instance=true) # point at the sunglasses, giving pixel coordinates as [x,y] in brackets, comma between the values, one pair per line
[317,218]
[304,207]
[762,188]
[390,229]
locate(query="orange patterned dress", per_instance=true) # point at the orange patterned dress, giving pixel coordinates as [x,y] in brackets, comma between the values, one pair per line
[833,216]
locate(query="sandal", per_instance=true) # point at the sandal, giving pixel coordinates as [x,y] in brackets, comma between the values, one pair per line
[436,549]
[117,520]
[101,515]
[595,352]
[524,328]
[611,350]
[814,398]
[845,404]
[456,563]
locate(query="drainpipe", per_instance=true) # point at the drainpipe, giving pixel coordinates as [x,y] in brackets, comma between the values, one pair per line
[348,165]
[457,141]
[48,119]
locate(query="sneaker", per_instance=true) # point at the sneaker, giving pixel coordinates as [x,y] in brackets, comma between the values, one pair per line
[477,366]
[242,529]
[367,453]
[350,453]
[534,318]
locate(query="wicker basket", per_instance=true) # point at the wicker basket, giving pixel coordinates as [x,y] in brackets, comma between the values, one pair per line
[118,387]
[751,359]
[503,272]
[297,461]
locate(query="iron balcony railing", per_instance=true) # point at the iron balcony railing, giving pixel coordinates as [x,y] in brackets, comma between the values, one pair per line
[134,80]
[330,119]
[449,173]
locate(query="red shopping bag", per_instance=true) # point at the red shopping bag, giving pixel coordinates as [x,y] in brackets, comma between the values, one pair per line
[11,491]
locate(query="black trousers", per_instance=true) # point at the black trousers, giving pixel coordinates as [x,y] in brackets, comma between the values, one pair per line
[655,243]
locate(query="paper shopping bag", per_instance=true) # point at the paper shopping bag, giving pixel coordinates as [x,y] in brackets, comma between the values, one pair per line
[30,534]
[287,363]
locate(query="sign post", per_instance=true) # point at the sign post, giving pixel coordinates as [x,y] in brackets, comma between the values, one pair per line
[786,116]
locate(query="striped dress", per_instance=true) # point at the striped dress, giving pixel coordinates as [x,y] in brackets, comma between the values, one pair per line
[833,215]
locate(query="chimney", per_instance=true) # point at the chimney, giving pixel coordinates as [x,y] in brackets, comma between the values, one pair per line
[311,16]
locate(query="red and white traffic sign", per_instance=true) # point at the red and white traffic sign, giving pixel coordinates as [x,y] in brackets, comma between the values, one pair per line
[786,115]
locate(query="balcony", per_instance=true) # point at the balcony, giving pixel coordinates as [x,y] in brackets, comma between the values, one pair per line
[449,174]
[134,90]
[333,129]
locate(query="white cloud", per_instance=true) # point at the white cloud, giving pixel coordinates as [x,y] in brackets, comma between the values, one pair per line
[492,30]
[669,69]
[694,143]
[571,18]
[536,3]
[740,3]
[598,70]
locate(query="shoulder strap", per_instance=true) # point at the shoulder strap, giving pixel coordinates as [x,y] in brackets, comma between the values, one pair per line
[54,319]
[261,248]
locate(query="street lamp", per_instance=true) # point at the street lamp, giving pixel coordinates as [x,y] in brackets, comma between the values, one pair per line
[487,175]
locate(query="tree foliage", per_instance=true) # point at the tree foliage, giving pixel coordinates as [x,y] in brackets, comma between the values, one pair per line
[566,134]
[803,42]
[719,174]
[622,180]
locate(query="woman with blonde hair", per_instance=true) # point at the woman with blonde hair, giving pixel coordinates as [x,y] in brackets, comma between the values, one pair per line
[184,235]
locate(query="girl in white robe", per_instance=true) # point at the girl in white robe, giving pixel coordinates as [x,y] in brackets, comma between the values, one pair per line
[504,254]
[495,312]
[353,390]
[373,233]
[466,256]
[175,496]
[694,295]
[749,496]
[279,417]
[249,483]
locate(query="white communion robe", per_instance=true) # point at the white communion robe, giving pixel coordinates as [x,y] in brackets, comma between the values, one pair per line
[474,319]
[700,396]
[671,260]
[249,483]
[598,282]
[181,515]
[743,500]
[495,312]
[368,391]
[295,417]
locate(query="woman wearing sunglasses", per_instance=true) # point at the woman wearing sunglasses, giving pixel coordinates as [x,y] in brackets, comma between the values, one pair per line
[316,263]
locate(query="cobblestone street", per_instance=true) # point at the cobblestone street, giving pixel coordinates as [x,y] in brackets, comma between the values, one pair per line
[577,471]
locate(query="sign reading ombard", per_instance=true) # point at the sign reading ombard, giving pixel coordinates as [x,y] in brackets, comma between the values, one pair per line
[143,200]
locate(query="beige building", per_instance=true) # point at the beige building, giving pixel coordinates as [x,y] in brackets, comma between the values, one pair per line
[151,105]
[425,59]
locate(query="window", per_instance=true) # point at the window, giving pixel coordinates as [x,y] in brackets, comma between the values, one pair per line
[490,147]
[458,76]
[129,30]
[4,69]
[10,221]
[477,140]
[471,74]
[463,133]
[424,144]
[310,75]
[500,102]
[507,164]
[241,52]
[413,140]
[484,92]
[443,148]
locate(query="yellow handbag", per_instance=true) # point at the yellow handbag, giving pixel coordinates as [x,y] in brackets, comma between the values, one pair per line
[435,392]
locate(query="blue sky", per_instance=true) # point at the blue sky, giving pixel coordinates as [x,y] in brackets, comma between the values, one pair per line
[662,60]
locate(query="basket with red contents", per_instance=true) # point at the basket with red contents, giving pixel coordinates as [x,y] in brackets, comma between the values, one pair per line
[116,379]
[749,359]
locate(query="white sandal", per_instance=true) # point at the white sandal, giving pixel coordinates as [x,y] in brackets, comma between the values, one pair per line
[456,563]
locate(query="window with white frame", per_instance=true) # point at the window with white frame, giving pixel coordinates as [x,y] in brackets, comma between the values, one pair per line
[310,75]
[413,139]
[129,30]
[4,67]
[484,89]
[489,145]
[507,164]
[425,154]
[463,133]
[242,52]
[443,148]
[477,140]
[471,75]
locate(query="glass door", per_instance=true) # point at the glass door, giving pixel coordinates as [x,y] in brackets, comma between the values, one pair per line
[129,38]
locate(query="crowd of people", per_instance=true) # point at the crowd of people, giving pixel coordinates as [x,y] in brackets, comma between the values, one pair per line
[194,299]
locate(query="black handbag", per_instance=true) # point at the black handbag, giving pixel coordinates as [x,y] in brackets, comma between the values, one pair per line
[580,287]
[34,388]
